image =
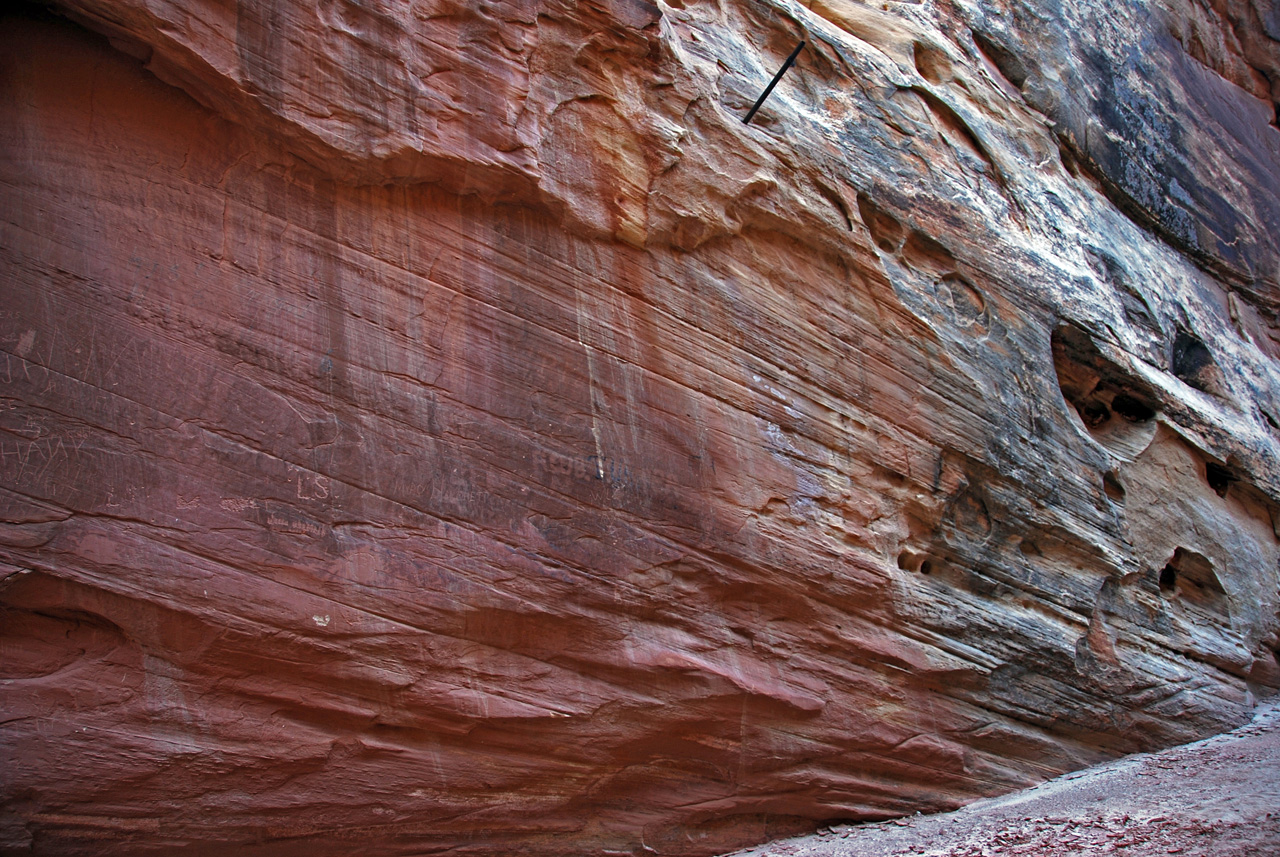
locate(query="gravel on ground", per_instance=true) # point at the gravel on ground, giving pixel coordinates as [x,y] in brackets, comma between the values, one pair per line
[1218,798]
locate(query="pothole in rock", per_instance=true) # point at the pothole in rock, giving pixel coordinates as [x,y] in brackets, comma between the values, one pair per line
[1189,577]
[1218,477]
[1114,408]
[887,233]
[910,560]
[1112,486]
[1193,364]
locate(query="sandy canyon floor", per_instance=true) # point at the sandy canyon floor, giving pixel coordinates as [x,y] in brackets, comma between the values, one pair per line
[1218,797]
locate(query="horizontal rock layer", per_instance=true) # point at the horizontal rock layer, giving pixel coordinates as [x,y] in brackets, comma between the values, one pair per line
[436,426]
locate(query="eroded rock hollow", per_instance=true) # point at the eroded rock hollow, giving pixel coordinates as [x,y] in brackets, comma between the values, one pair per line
[435,426]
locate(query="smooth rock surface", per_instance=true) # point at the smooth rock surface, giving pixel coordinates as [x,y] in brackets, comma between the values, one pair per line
[434,426]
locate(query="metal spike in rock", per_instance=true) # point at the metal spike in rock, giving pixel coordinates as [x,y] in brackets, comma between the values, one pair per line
[777,77]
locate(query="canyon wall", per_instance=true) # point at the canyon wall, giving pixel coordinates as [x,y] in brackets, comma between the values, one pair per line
[438,426]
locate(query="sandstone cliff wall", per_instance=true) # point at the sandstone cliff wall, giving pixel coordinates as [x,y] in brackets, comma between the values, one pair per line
[436,426]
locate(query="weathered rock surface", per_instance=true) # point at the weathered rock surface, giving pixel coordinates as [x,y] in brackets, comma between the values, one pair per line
[436,426]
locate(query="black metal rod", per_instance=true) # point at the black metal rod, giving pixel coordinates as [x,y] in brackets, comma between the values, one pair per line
[777,77]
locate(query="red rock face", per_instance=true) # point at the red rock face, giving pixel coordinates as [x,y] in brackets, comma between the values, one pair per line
[448,428]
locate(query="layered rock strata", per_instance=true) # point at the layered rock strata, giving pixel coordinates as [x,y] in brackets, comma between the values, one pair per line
[439,426]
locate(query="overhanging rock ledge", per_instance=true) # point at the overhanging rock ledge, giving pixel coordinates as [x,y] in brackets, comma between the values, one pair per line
[441,427]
